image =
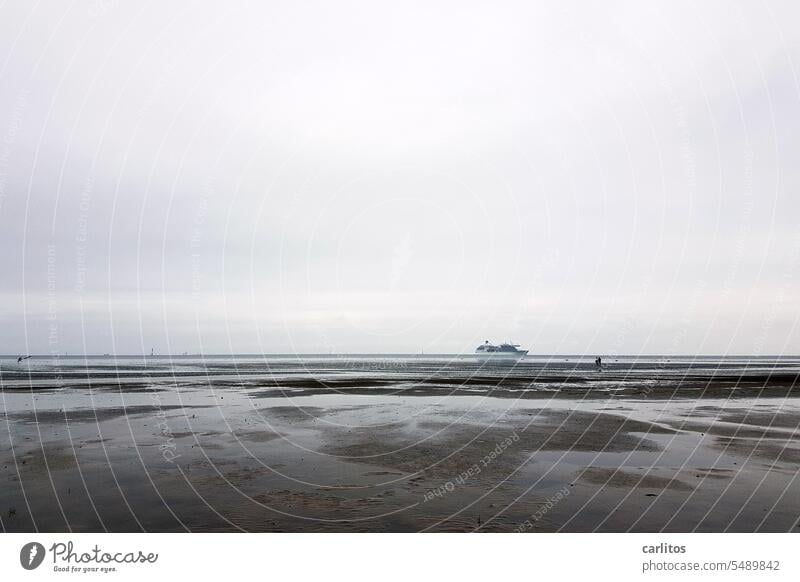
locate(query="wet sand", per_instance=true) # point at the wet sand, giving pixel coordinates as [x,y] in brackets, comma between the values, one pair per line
[174,454]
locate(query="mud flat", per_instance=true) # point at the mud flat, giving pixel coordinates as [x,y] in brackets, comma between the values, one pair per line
[178,455]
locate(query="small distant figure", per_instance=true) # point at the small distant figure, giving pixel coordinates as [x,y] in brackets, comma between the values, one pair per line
[598,361]
[21,358]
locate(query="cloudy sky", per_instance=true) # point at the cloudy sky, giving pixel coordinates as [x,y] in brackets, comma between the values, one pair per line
[391,177]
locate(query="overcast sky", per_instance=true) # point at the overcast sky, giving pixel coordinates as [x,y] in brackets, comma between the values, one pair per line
[391,177]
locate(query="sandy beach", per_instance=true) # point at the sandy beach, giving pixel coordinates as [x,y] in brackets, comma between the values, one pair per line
[162,446]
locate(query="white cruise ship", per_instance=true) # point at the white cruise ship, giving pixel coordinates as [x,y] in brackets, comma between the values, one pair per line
[505,352]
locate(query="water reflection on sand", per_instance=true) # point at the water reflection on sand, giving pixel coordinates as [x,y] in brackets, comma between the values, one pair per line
[343,445]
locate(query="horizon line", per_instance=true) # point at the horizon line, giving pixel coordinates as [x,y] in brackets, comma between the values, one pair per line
[405,354]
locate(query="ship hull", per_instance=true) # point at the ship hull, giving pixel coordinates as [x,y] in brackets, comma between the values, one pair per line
[501,356]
